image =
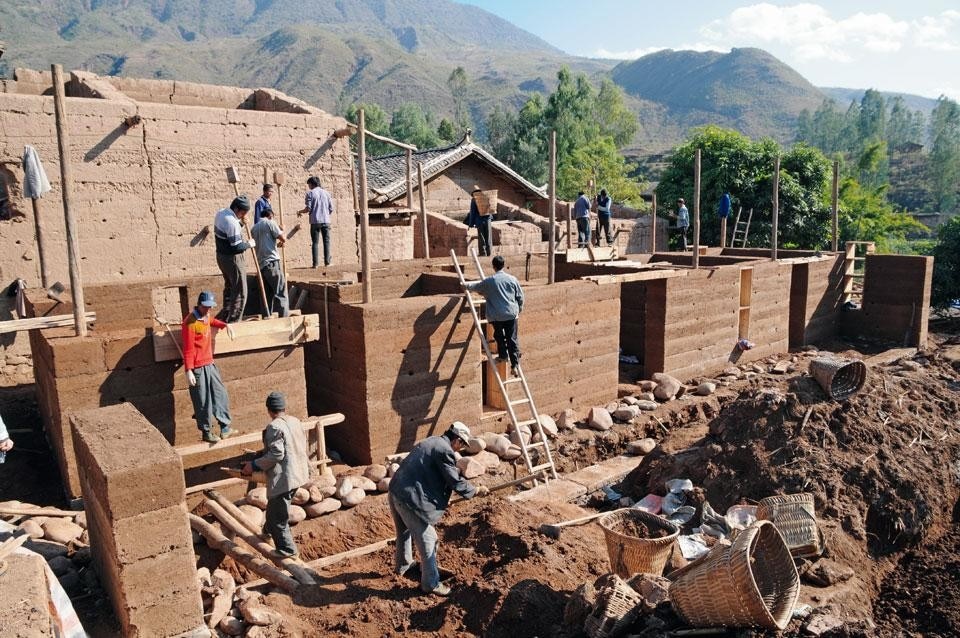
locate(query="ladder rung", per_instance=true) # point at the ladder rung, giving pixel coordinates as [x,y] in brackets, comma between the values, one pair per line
[483,322]
[520,401]
[512,380]
[527,422]
[536,444]
[478,300]
[540,468]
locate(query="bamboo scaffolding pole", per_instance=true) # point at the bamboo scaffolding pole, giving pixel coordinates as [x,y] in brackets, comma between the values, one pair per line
[552,245]
[423,211]
[696,210]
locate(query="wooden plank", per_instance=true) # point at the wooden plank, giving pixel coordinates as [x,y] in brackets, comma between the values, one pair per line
[249,335]
[601,253]
[635,276]
[199,454]
[35,323]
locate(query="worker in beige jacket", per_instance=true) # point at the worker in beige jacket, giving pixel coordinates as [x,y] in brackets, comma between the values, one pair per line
[287,466]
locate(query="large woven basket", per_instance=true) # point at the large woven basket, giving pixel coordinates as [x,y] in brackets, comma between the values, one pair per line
[794,516]
[839,378]
[614,610]
[632,555]
[751,583]
[486,201]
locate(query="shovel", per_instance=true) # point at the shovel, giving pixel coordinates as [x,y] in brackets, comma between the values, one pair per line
[553,529]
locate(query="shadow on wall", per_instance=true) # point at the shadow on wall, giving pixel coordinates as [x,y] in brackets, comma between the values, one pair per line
[418,380]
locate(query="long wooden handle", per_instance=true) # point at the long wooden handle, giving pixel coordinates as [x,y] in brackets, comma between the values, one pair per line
[256,266]
[581,520]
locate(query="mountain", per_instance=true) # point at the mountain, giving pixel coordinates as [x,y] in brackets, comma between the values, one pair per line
[745,89]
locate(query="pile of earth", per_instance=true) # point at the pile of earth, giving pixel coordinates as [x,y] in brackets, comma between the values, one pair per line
[882,468]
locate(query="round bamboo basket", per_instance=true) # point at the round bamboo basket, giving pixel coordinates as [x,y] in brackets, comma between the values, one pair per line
[615,609]
[633,555]
[751,583]
[839,378]
[794,516]
[486,201]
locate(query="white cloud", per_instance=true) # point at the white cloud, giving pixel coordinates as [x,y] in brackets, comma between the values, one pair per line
[811,32]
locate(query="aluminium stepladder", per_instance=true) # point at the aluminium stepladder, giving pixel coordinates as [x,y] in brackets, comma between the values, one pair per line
[741,229]
[544,468]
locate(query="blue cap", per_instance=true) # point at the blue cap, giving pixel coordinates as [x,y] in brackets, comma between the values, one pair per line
[207,299]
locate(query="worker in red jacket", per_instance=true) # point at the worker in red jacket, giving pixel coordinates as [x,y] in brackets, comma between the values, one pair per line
[207,392]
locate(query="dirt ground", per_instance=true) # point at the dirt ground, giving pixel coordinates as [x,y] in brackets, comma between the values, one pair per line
[883,467]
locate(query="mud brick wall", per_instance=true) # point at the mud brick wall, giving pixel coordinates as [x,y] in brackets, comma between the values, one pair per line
[896,300]
[816,294]
[133,494]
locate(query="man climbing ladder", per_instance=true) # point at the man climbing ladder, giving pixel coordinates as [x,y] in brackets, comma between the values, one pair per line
[504,299]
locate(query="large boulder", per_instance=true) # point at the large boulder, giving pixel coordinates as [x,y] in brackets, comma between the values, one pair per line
[393,469]
[489,460]
[296,514]
[325,506]
[641,447]
[383,484]
[518,433]
[258,497]
[301,496]
[667,386]
[324,480]
[599,419]
[567,419]
[549,426]
[471,468]
[647,386]
[476,445]
[318,492]
[353,498]
[498,444]
[627,413]
[344,487]
[32,528]
[648,405]
[706,388]
[253,514]
[364,483]
[375,472]
[513,452]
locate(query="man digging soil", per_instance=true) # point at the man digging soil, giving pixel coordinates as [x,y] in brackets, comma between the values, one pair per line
[419,494]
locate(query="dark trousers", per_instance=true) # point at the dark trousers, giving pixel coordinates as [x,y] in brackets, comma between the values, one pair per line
[603,224]
[234,270]
[484,244]
[508,344]
[276,288]
[583,232]
[316,231]
[277,523]
[209,398]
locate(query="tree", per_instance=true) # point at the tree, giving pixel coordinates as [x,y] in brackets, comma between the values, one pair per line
[411,125]
[612,115]
[866,215]
[946,266]
[375,120]
[457,83]
[945,153]
[872,120]
[447,132]
[601,162]
[500,125]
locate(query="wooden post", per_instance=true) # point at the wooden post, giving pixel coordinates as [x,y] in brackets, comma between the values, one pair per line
[409,179]
[364,220]
[423,211]
[41,254]
[653,225]
[696,210]
[552,235]
[723,231]
[835,209]
[776,208]
[66,185]
[353,186]
[280,179]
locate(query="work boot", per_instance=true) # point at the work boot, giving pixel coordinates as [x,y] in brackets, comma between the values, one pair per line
[209,437]
[440,590]
[515,370]
[226,432]
[281,555]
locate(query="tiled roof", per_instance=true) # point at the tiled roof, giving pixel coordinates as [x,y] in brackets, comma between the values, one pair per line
[387,175]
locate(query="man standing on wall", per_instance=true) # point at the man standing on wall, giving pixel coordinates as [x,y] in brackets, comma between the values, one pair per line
[207,392]
[482,223]
[418,496]
[683,221]
[268,236]
[604,212]
[318,204]
[504,304]
[262,203]
[581,214]
[230,258]
[285,461]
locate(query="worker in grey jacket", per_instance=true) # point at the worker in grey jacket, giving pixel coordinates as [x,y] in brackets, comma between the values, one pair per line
[287,466]
[504,304]
[419,493]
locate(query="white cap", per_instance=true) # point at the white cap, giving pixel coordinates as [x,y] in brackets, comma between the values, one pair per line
[460,431]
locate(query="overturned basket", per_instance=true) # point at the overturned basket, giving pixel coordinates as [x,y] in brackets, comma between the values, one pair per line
[614,611]
[751,583]
[839,378]
[794,516]
[633,555]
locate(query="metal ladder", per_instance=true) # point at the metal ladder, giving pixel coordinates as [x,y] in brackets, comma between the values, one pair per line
[741,229]
[541,470]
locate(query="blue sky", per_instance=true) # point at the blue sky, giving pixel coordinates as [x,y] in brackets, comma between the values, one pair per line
[913,47]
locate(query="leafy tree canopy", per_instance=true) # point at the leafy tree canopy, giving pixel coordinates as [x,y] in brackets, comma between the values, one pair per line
[946,265]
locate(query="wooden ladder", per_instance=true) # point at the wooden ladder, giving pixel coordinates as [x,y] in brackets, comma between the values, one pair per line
[741,229]
[854,268]
[540,470]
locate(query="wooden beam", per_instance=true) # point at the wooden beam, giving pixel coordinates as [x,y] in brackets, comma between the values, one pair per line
[776,208]
[647,275]
[389,140]
[250,335]
[197,454]
[653,225]
[346,131]
[364,220]
[591,254]
[423,211]
[409,179]
[552,237]
[39,323]
[696,210]
[835,206]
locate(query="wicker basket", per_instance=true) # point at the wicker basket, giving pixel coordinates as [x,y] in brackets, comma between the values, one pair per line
[751,583]
[631,555]
[486,201]
[614,610]
[839,378]
[794,516]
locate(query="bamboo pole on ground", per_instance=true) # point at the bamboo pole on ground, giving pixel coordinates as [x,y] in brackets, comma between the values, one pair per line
[776,208]
[66,188]
[423,211]
[552,235]
[696,210]
[235,523]
[257,565]
[653,225]
[364,220]
[835,208]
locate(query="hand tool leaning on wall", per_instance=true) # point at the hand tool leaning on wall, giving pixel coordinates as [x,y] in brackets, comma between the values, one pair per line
[233,176]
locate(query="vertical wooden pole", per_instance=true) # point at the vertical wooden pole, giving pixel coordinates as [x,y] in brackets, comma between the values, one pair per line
[283,249]
[409,179]
[66,185]
[696,210]
[364,220]
[423,211]
[723,231]
[835,208]
[552,235]
[653,225]
[776,208]
[41,245]
[353,186]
